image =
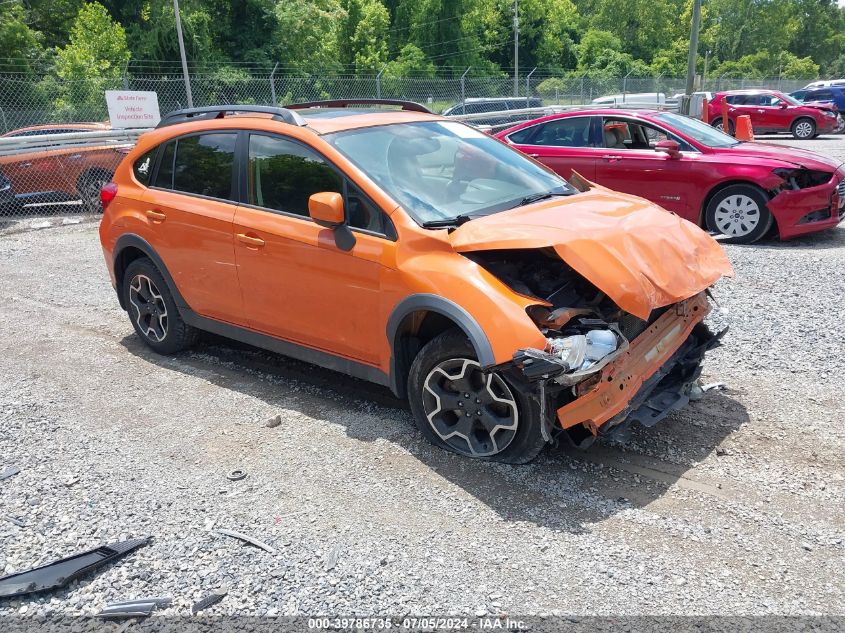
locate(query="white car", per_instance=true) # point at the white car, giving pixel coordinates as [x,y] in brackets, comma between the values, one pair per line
[825,83]
[636,98]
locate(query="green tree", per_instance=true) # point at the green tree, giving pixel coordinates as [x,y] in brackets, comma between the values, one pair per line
[92,62]
[645,27]
[411,61]
[594,44]
[370,39]
[307,34]
[19,43]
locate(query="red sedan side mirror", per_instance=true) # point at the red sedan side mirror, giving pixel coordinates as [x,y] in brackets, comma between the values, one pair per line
[670,147]
[783,105]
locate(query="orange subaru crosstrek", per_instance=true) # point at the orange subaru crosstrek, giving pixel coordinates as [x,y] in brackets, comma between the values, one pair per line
[508,305]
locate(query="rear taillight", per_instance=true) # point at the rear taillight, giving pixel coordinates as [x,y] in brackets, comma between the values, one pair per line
[108,193]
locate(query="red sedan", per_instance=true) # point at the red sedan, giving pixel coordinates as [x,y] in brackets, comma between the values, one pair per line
[772,112]
[742,190]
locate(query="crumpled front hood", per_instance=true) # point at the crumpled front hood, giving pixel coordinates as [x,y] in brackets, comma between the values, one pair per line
[794,155]
[641,256]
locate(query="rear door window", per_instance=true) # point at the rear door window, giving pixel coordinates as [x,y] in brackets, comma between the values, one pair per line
[203,165]
[569,132]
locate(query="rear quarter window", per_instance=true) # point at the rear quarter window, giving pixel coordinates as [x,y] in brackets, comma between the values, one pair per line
[143,167]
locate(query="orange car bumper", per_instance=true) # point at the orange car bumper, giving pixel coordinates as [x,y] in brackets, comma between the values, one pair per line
[622,379]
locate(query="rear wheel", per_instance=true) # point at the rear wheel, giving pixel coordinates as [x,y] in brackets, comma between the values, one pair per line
[463,409]
[804,129]
[153,311]
[720,126]
[88,187]
[739,212]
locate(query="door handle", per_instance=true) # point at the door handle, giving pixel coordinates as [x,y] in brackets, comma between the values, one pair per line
[156,216]
[75,157]
[26,164]
[611,159]
[249,240]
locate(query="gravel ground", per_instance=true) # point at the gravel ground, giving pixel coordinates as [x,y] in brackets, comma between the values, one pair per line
[732,506]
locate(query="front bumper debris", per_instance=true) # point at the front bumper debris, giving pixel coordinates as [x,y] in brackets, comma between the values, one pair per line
[802,211]
[643,381]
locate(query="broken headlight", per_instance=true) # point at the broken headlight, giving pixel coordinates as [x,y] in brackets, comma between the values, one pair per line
[802,178]
[581,351]
[568,360]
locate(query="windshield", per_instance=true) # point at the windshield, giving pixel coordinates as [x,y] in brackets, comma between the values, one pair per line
[697,130]
[444,170]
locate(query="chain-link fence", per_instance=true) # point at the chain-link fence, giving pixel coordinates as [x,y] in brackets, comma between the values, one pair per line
[59,182]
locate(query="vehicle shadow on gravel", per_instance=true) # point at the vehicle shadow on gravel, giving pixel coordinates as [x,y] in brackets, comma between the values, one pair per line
[830,238]
[564,489]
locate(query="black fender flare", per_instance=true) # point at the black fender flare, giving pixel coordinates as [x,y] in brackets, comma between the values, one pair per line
[131,240]
[440,305]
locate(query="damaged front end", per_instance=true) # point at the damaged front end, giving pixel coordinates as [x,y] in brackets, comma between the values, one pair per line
[602,368]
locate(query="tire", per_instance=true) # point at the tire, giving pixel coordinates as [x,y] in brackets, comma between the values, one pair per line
[739,212]
[88,188]
[803,129]
[155,316]
[717,123]
[516,436]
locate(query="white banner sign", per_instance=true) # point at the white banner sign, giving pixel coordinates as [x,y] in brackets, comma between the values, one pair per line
[132,108]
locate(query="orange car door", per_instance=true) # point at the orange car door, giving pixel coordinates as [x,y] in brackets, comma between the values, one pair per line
[190,208]
[297,283]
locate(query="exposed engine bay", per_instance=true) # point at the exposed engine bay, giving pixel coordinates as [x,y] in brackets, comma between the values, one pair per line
[585,331]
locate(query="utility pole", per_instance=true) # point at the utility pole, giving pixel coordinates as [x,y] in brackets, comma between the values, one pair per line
[693,46]
[515,48]
[182,52]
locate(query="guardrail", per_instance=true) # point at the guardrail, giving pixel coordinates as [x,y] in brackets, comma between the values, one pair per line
[10,146]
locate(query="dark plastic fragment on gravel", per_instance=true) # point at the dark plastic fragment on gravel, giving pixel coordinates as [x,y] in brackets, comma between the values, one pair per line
[206,602]
[64,571]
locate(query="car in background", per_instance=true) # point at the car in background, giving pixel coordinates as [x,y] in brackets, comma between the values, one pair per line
[498,105]
[55,174]
[419,253]
[8,202]
[741,190]
[825,83]
[631,98]
[828,96]
[772,112]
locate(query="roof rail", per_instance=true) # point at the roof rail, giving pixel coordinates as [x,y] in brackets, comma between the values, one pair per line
[221,111]
[410,106]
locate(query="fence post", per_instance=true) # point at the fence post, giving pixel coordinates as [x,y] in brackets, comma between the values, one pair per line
[378,82]
[125,78]
[625,87]
[3,116]
[273,84]
[557,95]
[657,90]
[528,88]
[463,87]
[582,89]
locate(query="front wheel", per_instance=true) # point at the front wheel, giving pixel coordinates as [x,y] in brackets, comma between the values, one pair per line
[463,409]
[804,129]
[739,212]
